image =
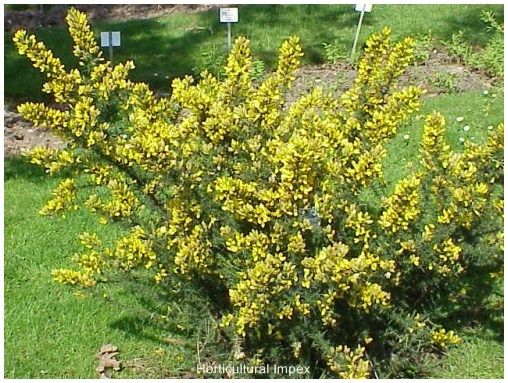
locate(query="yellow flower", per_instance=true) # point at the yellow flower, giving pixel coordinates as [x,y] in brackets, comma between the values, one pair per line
[443,338]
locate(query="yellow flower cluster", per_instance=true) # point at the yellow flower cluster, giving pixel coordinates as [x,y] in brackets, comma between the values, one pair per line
[360,222]
[130,251]
[378,70]
[43,116]
[419,323]
[239,64]
[443,338]
[270,276]
[60,83]
[402,207]
[80,31]
[329,265]
[123,200]
[54,160]
[373,108]
[92,261]
[461,186]
[41,57]
[134,249]
[161,274]
[433,146]
[229,180]
[71,277]
[348,364]
[194,252]
[448,253]
[234,194]
[371,293]
[63,198]
[348,276]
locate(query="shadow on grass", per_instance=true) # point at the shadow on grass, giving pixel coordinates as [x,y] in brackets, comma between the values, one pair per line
[20,167]
[482,310]
[179,309]
[166,48]
[471,23]
[284,21]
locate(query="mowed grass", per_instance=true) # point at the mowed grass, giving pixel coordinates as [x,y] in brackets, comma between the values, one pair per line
[51,332]
[168,47]
[476,111]
[477,357]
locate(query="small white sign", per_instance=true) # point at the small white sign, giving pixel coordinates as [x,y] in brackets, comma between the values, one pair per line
[115,37]
[363,7]
[110,39]
[104,39]
[228,15]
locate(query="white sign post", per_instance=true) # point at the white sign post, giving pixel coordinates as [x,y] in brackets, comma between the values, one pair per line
[110,39]
[228,15]
[362,8]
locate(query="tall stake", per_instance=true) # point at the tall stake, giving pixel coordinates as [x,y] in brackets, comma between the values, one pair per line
[111,47]
[357,33]
[229,36]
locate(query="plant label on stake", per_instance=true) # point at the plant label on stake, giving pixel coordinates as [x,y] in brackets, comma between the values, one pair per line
[110,39]
[228,15]
[362,8]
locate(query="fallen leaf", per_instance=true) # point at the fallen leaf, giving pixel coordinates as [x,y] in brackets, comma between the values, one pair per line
[107,359]
[107,348]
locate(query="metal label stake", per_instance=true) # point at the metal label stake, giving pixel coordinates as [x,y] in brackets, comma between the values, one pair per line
[111,45]
[110,40]
[228,15]
[229,35]
[362,8]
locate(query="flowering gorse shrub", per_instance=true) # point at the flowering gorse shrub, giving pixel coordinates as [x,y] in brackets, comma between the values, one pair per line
[227,182]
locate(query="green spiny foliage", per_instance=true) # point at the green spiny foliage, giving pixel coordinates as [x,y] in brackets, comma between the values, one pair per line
[228,185]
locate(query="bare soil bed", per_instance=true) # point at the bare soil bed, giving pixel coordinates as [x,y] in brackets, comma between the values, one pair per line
[30,19]
[440,73]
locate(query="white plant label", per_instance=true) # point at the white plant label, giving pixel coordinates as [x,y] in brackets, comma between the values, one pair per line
[363,7]
[115,39]
[228,15]
[110,39]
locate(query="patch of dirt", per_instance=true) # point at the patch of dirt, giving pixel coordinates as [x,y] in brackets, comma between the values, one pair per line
[31,19]
[440,73]
[20,135]
[443,73]
[332,77]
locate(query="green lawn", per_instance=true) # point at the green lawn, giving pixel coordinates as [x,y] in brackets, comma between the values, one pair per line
[478,110]
[49,332]
[52,331]
[477,357]
[172,46]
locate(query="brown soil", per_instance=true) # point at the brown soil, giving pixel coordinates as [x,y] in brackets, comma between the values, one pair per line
[30,19]
[439,74]
[20,135]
